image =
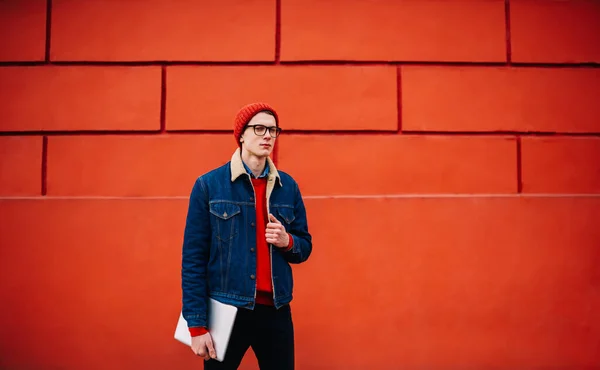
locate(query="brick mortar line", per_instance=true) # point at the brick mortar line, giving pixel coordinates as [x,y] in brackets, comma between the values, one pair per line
[484,134]
[519,149]
[163,99]
[44,184]
[375,63]
[508,36]
[48,31]
[399,98]
[277,31]
[318,197]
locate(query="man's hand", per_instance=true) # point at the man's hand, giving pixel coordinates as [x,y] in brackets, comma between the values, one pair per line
[202,346]
[276,233]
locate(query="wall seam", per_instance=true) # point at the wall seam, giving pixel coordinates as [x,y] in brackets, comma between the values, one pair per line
[48,31]
[519,166]
[315,63]
[507,24]
[44,165]
[163,99]
[309,132]
[399,97]
[317,196]
[277,31]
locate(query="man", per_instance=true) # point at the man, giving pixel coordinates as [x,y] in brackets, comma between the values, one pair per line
[246,223]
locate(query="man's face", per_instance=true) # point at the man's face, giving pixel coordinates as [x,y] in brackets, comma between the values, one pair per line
[260,145]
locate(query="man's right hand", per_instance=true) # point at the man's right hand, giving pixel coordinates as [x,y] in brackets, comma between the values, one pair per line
[202,346]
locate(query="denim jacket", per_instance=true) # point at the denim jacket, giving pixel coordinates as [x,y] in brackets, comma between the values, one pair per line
[219,241]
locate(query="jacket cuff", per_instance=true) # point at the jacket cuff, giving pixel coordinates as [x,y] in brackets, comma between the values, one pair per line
[289,247]
[194,332]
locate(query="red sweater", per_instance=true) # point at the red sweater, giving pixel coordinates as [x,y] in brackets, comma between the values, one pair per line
[264,287]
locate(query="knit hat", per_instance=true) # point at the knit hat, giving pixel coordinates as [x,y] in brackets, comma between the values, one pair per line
[245,115]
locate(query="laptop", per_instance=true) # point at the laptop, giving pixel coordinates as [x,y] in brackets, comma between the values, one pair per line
[220,324]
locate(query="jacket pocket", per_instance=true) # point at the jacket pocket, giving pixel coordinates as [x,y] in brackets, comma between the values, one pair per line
[286,214]
[225,220]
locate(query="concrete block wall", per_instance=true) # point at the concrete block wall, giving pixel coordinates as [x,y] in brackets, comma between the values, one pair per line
[448,152]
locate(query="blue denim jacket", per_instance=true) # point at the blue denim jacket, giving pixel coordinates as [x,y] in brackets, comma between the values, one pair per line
[219,242]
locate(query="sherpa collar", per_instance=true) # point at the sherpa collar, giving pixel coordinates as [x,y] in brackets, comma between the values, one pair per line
[237,168]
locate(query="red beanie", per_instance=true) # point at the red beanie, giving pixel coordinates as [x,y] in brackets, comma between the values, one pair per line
[245,115]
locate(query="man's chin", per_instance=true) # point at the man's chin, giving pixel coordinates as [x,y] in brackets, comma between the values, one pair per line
[263,153]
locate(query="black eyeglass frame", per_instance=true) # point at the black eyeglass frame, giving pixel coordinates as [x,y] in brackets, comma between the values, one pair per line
[263,127]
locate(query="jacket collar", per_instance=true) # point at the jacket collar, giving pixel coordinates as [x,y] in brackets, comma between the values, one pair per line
[237,167]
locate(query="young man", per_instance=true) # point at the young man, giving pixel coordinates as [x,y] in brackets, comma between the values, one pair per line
[246,224]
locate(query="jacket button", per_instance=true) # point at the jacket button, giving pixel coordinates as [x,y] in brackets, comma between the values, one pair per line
[252,277]
[252,224]
[251,249]
[251,199]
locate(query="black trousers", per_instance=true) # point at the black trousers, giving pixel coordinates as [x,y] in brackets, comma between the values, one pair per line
[270,333]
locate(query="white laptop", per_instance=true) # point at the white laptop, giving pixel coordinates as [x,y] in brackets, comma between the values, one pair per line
[220,323]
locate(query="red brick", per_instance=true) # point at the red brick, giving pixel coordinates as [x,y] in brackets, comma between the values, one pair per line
[462,282]
[94,262]
[393,30]
[560,165]
[500,99]
[306,98]
[361,164]
[22,30]
[483,282]
[154,165]
[80,98]
[232,30]
[76,266]
[20,165]
[555,31]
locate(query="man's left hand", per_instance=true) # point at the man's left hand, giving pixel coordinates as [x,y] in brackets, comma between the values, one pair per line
[276,233]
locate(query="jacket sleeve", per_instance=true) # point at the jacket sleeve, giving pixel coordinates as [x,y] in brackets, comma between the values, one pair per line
[302,240]
[195,254]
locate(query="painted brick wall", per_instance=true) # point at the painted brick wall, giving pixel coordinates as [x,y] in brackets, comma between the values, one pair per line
[448,151]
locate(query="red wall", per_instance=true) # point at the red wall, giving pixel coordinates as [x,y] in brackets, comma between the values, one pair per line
[448,151]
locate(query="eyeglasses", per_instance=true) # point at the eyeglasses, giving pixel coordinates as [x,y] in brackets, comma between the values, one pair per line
[261,130]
